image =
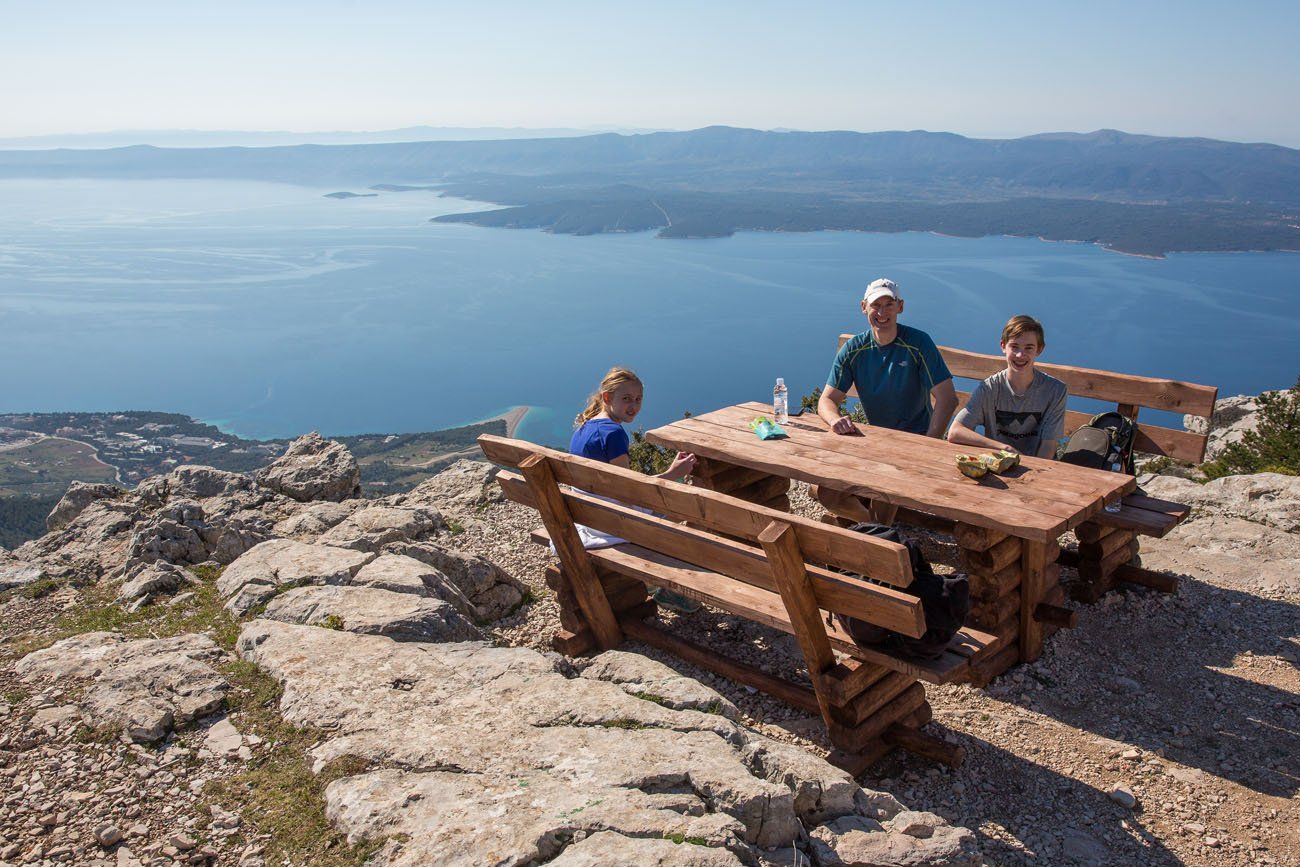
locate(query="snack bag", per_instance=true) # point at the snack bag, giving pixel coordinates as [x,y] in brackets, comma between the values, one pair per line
[766,428]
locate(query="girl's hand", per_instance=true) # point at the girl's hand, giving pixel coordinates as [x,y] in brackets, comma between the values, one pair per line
[682,466]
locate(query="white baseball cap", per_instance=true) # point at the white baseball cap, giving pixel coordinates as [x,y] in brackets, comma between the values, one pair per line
[879,289]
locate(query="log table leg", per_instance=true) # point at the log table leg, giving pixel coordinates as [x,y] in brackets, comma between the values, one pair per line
[992,561]
[1033,579]
[627,598]
[1102,551]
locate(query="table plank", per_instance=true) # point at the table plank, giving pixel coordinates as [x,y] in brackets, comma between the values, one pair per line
[903,469]
[1064,477]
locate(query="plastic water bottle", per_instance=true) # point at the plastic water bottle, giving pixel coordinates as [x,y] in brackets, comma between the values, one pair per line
[781,402]
[1115,506]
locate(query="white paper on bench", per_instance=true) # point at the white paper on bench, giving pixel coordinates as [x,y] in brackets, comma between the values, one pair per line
[592,538]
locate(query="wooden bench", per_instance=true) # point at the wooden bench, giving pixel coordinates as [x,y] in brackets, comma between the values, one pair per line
[765,565]
[1108,542]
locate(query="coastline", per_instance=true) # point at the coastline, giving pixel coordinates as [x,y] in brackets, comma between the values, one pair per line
[513,418]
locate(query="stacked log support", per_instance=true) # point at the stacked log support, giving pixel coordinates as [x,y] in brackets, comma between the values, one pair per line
[756,486]
[992,563]
[995,564]
[873,710]
[1102,552]
[627,597]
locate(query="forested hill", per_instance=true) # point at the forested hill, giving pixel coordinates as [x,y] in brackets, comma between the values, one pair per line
[946,166]
[1225,195]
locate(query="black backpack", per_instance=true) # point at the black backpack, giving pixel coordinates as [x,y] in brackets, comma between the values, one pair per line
[945,600]
[1106,440]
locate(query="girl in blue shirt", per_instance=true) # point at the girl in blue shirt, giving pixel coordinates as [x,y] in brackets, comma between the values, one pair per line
[601,437]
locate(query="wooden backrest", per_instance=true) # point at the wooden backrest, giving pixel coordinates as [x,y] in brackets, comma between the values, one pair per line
[714,518]
[1128,392]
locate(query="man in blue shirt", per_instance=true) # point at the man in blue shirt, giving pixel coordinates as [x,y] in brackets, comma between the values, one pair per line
[898,373]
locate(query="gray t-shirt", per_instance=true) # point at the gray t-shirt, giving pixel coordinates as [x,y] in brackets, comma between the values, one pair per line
[1022,421]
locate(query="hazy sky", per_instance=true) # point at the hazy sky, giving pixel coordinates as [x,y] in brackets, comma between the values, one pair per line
[1224,70]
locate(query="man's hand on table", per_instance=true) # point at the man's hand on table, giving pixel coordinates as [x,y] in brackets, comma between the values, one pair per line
[844,426]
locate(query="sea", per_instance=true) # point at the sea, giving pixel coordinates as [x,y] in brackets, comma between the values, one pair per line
[271,310]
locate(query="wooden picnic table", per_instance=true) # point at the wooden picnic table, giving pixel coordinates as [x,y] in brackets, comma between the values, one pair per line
[1007,526]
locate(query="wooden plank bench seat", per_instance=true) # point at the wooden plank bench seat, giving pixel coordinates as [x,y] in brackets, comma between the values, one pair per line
[765,607]
[768,566]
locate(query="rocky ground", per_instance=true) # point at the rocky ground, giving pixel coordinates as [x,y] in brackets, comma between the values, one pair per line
[353,719]
[220,669]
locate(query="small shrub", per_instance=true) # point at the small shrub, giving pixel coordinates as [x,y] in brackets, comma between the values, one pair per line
[1157,465]
[455,527]
[624,723]
[332,621]
[646,457]
[1273,447]
[809,402]
[38,589]
[651,697]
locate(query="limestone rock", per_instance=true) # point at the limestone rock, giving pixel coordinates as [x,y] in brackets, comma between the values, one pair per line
[1240,553]
[372,527]
[606,848]
[371,611]
[821,790]
[1123,795]
[651,680]
[857,842]
[313,468]
[1271,499]
[95,541]
[172,535]
[460,489]
[315,519]
[143,687]
[492,591]
[462,729]
[16,573]
[916,824]
[192,482]
[79,495]
[265,569]
[151,579]
[182,533]
[1232,418]
[408,575]
[223,738]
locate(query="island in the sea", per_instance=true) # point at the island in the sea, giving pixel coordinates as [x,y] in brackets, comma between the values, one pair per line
[1146,195]
[345,194]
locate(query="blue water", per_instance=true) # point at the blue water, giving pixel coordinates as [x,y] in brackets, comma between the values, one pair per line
[272,311]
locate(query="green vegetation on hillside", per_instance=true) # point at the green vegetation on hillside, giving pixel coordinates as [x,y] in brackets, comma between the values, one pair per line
[44,468]
[1274,445]
[23,518]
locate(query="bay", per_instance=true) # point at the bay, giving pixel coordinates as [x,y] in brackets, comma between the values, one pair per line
[272,310]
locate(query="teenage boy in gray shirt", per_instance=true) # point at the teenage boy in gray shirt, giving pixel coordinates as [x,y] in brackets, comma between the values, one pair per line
[1019,408]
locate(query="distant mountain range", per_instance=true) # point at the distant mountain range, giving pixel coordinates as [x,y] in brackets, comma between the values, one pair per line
[205,138]
[1136,193]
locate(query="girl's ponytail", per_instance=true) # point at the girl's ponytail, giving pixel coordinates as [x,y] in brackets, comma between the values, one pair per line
[596,403]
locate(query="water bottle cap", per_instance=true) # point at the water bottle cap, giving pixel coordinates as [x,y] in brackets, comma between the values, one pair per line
[780,381]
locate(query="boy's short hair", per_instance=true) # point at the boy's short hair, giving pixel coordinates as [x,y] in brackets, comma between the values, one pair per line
[1018,325]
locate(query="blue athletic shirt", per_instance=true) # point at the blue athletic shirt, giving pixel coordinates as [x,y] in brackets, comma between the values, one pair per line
[893,381]
[599,439]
